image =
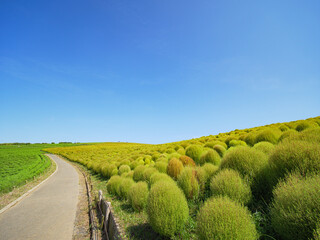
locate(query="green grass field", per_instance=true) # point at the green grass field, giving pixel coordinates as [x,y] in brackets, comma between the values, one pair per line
[22,162]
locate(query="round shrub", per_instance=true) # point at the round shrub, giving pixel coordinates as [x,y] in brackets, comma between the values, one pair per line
[250,139]
[210,156]
[109,170]
[295,211]
[283,128]
[268,135]
[113,184]
[138,173]
[188,182]
[288,134]
[123,169]
[304,125]
[194,151]
[222,218]
[229,183]
[174,168]
[310,135]
[148,173]
[213,143]
[167,208]
[187,161]
[234,143]
[265,147]
[219,149]
[159,177]
[181,151]
[124,187]
[247,161]
[296,156]
[114,172]
[161,166]
[138,195]
[229,139]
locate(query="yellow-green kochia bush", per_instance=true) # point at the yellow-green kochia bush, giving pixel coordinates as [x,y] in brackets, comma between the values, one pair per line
[194,151]
[113,184]
[138,173]
[210,156]
[247,161]
[138,196]
[295,212]
[265,147]
[148,173]
[229,183]
[268,135]
[123,169]
[295,156]
[161,166]
[124,187]
[224,219]
[159,177]
[167,208]
[219,149]
[188,182]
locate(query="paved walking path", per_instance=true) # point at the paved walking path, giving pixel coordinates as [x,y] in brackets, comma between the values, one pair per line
[48,212]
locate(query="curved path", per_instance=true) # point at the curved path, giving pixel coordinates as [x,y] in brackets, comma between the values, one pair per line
[48,212]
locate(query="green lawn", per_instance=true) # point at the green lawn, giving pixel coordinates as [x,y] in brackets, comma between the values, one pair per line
[22,162]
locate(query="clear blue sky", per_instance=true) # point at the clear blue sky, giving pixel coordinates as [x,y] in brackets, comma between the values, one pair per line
[154,71]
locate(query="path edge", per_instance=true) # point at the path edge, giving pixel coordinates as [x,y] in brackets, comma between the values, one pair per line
[31,190]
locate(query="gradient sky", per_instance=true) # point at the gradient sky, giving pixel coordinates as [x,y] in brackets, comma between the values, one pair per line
[154,71]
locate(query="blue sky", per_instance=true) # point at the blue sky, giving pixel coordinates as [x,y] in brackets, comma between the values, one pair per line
[154,71]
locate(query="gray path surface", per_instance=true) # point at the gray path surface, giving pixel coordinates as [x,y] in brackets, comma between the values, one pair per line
[48,212]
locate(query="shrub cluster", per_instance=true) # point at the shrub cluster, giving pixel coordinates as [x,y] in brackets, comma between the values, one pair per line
[188,182]
[194,151]
[210,156]
[174,168]
[138,196]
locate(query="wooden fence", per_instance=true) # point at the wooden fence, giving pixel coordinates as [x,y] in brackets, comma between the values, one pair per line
[108,223]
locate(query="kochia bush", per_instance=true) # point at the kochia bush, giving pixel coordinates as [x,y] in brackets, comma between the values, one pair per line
[296,156]
[268,135]
[194,151]
[265,147]
[229,183]
[124,187]
[210,156]
[123,169]
[138,196]
[174,168]
[188,182]
[113,184]
[222,218]
[187,161]
[167,208]
[295,212]
[219,149]
[138,173]
[247,161]
[160,177]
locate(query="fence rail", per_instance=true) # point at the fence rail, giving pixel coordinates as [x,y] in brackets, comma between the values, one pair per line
[109,225]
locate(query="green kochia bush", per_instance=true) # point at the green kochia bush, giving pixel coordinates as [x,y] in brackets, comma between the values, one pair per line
[224,219]
[268,135]
[247,161]
[161,166]
[188,182]
[123,169]
[138,196]
[265,147]
[148,173]
[113,184]
[295,212]
[160,177]
[234,143]
[219,149]
[124,187]
[229,183]
[210,156]
[167,208]
[300,156]
[138,173]
[194,151]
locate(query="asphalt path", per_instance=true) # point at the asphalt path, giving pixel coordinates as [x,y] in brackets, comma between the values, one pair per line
[48,212]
